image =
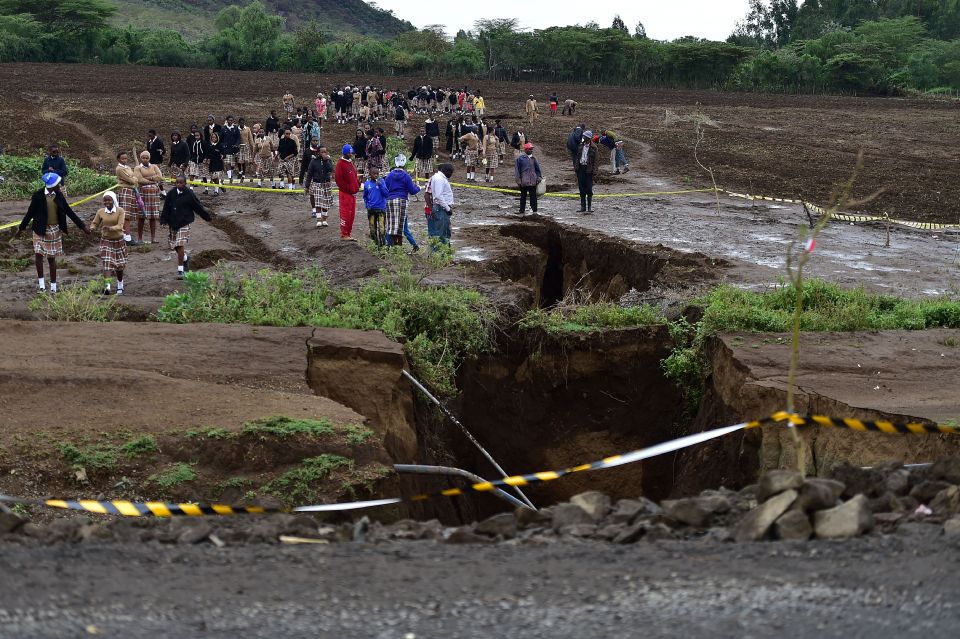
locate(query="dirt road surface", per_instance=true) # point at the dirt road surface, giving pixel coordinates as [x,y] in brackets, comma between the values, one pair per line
[887,587]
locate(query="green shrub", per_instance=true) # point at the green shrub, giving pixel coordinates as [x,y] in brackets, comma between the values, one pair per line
[83,303]
[591,317]
[144,445]
[22,177]
[300,484]
[357,434]
[286,427]
[173,476]
[93,457]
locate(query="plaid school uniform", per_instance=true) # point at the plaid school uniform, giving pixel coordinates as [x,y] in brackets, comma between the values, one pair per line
[322,194]
[180,237]
[113,254]
[151,201]
[396,215]
[127,200]
[424,166]
[50,244]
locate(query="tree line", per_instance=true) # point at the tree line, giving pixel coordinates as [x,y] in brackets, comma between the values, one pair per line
[848,46]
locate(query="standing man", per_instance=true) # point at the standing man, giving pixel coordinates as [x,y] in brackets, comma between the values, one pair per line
[423,155]
[349,185]
[531,109]
[528,175]
[586,168]
[573,143]
[439,197]
[178,210]
[47,216]
[54,163]
[155,147]
[319,172]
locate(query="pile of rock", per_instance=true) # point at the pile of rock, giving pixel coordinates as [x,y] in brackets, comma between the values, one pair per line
[782,505]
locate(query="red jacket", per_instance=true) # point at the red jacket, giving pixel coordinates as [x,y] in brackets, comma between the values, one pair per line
[345,176]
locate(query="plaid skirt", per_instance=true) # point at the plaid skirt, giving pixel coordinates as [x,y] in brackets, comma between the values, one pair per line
[151,201]
[229,160]
[287,168]
[128,202]
[177,171]
[425,167]
[264,166]
[470,156]
[51,244]
[493,160]
[396,216]
[113,254]
[377,161]
[322,195]
[180,237]
[502,148]
[244,155]
[200,170]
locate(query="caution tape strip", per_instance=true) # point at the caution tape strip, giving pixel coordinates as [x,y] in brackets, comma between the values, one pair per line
[77,203]
[163,509]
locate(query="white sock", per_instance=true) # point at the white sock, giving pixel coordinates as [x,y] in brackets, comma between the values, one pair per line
[120,285]
[107,288]
[127,237]
[230,173]
[180,268]
[53,287]
[289,187]
[41,284]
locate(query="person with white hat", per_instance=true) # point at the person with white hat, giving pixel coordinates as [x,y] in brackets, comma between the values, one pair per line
[113,248]
[47,216]
[400,187]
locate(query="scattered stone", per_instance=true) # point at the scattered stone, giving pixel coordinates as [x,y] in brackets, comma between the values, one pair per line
[9,522]
[885,503]
[898,482]
[594,503]
[626,510]
[687,511]
[817,494]
[658,532]
[849,519]
[579,530]
[197,531]
[216,541]
[946,470]
[951,527]
[924,492]
[758,521]
[502,525]
[793,525]
[776,482]
[887,519]
[919,529]
[858,480]
[947,501]
[564,515]
[529,517]
[610,531]
[464,535]
[630,534]
[749,492]
[360,529]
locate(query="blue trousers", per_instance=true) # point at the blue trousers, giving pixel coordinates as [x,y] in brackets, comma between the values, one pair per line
[438,225]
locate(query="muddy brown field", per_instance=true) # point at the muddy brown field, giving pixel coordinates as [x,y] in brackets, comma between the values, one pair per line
[778,145]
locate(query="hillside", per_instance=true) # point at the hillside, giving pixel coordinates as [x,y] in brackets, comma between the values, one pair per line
[194,18]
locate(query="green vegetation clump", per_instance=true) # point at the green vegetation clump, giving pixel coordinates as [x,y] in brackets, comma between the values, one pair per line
[281,427]
[103,456]
[173,476]
[442,326]
[81,303]
[144,445]
[300,484]
[357,434]
[22,174]
[15,264]
[826,307]
[592,317]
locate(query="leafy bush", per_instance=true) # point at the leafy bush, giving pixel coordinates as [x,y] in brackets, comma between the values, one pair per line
[441,325]
[22,177]
[76,303]
[173,476]
[300,484]
[587,318]
[287,427]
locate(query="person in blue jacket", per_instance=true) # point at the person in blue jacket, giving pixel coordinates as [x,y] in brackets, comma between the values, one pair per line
[400,187]
[375,199]
[54,163]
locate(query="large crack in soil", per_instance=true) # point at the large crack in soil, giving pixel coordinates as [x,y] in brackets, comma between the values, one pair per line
[253,247]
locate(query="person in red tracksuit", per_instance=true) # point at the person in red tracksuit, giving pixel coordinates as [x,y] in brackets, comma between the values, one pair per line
[345,176]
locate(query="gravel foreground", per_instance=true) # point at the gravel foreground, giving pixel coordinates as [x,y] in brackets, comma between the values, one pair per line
[897,585]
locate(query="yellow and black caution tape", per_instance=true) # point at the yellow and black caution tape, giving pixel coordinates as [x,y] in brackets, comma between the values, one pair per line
[72,204]
[164,509]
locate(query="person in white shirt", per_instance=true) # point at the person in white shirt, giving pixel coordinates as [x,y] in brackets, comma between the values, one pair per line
[439,200]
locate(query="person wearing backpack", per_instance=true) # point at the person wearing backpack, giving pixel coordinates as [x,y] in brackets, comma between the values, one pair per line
[528,176]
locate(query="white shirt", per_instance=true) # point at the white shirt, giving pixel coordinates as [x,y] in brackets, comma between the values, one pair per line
[584,156]
[439,187]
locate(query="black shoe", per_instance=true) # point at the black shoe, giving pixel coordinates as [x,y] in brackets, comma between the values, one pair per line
[582,210]
[415,249]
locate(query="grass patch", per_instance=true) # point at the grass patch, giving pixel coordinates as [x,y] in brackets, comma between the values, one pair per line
[209,433]
[15,264]
[106,456]
[145,445]
[300,485]
[22,177]
[826,307]
[76,303]
[442,326]
[590,318]
[173,476]
[281,427]
[356,434]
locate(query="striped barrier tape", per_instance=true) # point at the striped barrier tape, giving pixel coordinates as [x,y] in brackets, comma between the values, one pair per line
[163,509]
[77,203]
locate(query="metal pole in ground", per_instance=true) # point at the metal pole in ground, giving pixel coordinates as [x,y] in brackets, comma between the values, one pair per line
[418,469]
[466,432]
